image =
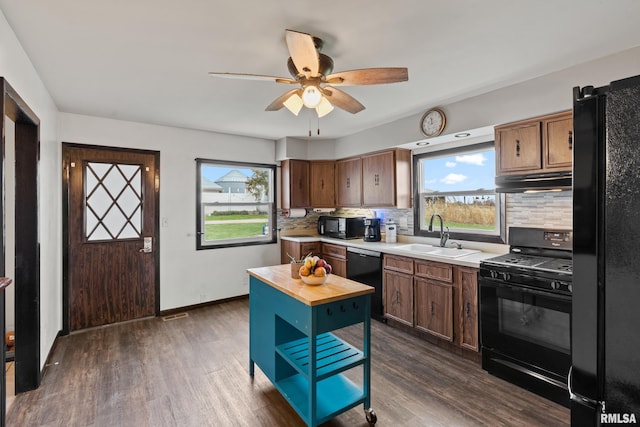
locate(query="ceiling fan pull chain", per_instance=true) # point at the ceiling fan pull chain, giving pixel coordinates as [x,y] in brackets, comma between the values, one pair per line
[318,126]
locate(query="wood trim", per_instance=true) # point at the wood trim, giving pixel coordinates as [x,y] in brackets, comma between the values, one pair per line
[177,310]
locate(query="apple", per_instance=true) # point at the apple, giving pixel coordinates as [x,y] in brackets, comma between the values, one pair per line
[321,263]
[328,268]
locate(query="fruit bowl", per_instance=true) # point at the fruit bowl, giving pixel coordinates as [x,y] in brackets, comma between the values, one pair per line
[314,280]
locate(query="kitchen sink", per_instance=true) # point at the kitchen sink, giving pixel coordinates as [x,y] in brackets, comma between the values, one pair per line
[436,250]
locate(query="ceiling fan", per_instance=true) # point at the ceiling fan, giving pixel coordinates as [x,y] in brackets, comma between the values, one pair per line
[312,70]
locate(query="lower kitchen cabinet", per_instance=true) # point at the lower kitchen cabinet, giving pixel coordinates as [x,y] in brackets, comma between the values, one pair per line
[436,298]
[335,255]
[398,296]
[297,250]
[467,280]
[434,307]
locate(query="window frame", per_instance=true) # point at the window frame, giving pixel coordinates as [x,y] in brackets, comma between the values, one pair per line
[456,235]
[200,245]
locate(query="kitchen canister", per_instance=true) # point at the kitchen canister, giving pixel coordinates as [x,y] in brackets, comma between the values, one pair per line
[391,233]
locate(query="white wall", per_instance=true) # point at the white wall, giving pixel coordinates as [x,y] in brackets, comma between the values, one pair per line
[539,96]
[187,276]
[18,71]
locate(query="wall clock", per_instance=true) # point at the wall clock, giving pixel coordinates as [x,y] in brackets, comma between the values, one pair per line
[432,122]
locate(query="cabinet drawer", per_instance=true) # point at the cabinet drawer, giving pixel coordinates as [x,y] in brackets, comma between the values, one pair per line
[306,247]
[434,270]
[335,251]
[398,263]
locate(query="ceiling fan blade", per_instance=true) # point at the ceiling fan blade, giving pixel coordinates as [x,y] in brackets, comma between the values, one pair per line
[342,100]
[368,76]
[245,76]
[303,53]
[278,103]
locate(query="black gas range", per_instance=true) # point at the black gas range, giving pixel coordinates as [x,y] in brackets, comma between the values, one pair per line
[525,311]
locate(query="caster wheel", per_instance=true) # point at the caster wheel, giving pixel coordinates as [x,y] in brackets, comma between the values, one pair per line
[371,416]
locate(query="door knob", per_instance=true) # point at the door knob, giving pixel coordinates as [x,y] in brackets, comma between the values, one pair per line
[147,246]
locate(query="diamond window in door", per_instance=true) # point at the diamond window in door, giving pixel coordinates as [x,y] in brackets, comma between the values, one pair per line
[113,203]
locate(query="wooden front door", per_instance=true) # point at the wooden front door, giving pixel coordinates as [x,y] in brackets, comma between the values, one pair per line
[111,229]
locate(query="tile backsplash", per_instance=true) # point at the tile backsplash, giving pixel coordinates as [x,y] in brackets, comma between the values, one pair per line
[543,210]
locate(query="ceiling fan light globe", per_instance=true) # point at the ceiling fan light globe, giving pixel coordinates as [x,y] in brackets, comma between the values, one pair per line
[324,107]
[311,96]
[294,104]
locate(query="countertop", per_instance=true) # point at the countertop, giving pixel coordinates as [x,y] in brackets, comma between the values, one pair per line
[336,288]
[471,260]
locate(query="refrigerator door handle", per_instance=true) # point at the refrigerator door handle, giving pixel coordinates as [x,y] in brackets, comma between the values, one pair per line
[580,398]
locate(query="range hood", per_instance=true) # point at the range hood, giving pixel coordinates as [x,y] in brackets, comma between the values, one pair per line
[555,181]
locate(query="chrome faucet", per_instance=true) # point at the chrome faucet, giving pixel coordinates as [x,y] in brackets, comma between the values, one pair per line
[444,235]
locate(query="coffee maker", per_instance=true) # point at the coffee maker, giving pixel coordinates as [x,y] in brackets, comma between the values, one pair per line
[371,230]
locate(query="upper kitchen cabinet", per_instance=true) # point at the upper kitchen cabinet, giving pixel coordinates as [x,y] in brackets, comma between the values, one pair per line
[322,188]
[348,182]
[557,141]
[386,179]
[295,184]
[538,145]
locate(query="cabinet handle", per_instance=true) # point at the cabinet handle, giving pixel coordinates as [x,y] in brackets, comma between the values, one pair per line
[397,297]
[300,184]
[355,305]
[348,182]
[570,140]
[322,184]
[343,308]
[468,310]
[433,308]
[376,179]
[517,148]
[329,312]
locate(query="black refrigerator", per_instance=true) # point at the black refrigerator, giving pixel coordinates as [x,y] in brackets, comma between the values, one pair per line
[604,381]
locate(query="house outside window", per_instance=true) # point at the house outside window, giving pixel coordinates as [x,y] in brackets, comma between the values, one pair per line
[459,185]
[235,204]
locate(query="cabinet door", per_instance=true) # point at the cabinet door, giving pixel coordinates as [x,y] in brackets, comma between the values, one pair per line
[468,282]
[378,179]
[434,308]
[297,249]
[398,296]
[519,149]
[338,265]
[322,184]
[558,142]
[295,184]
[348,182]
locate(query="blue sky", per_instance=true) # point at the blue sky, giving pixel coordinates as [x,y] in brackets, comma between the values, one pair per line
[467,171]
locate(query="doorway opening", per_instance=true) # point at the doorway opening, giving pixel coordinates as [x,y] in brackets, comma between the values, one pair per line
[25,129]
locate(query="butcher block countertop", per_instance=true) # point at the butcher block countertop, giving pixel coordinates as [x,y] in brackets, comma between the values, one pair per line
[336,288]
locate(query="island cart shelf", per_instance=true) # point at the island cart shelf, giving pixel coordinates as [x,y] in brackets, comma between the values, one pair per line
[290,340]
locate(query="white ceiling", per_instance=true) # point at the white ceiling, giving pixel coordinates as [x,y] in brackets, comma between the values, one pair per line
[147,60]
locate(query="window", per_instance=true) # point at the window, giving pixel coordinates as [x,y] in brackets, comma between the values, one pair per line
[459,185]
[235,204]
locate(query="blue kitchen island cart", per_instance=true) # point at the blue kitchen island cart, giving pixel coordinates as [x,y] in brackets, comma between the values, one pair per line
[291,340]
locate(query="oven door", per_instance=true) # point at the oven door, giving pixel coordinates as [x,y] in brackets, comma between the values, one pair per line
[530,327]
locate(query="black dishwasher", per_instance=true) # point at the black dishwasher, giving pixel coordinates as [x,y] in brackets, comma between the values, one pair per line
[365,266]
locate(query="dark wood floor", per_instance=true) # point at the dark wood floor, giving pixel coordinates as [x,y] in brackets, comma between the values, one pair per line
[193,372]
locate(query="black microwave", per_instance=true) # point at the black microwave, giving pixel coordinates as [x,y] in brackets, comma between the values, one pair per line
[341,227]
